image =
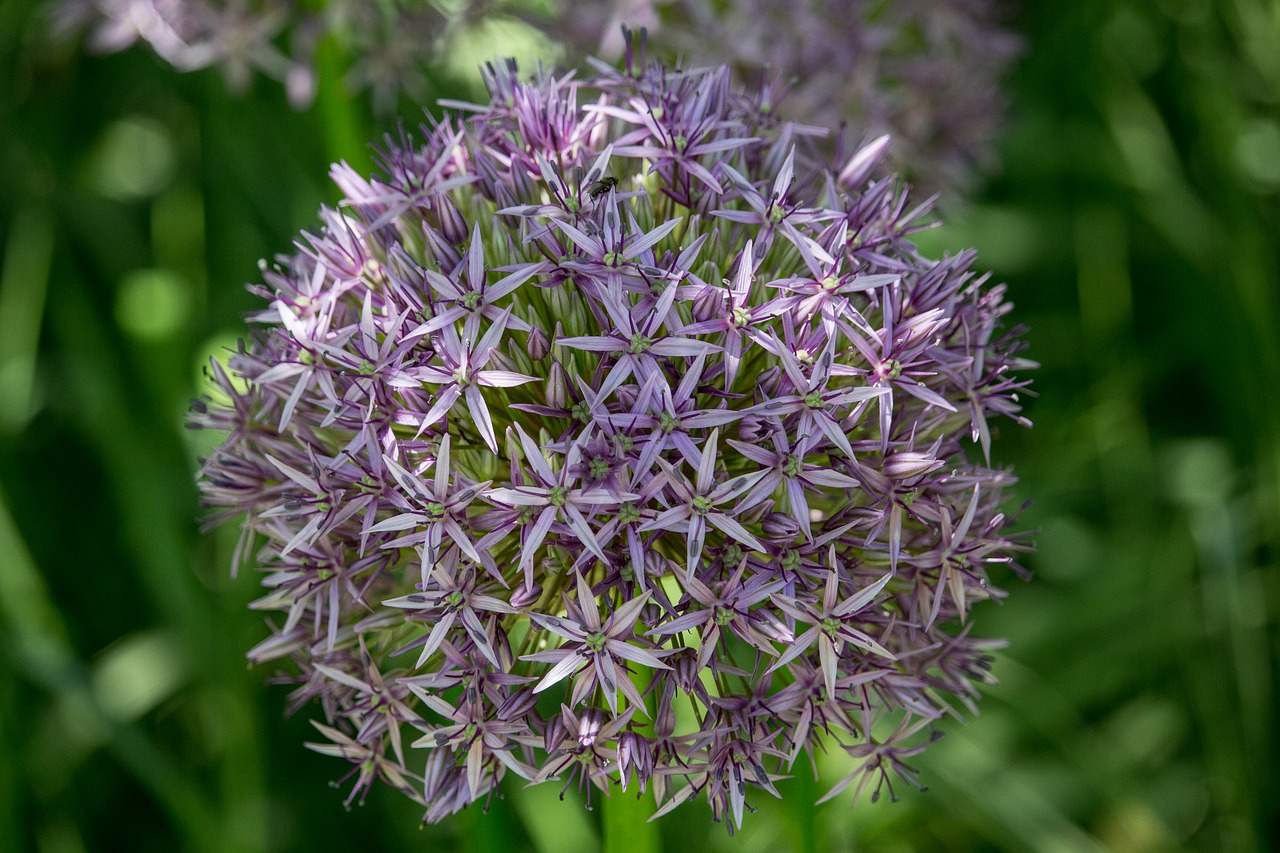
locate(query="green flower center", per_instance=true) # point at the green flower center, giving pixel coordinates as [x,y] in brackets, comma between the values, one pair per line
[813,400]
[790,560]
[435,510]
[741,317]
[454,599]
[723,615]
[581,412]
[668,422]
[830,283]
[804,356]
[640,343]
[595,642]
[628,513]
[733,555]
[470,300]
[612,259]
[831,625]
[702,504]
[791,465]
[891,368]
[558,496]
[598,468]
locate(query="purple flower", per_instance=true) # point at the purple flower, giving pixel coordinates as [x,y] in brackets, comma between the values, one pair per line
[696,454]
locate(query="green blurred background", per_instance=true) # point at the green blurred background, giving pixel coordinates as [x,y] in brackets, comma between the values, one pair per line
[1137,222]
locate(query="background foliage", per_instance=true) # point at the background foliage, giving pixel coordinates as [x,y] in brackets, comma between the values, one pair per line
[1137,221]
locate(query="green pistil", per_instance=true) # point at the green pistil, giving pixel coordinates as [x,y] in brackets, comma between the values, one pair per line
[595,642]
[680,143]
[702,504]
[668,422]
[323,506]
[723,615]
[830,283]
[525,516]
[790,560]
[776,213]
[831,625]
[891,368]
[791,465]
[454,599]
[640,343]
[435,510]
[612,259]
[813,400]
[598,468]
[804,356]
[733,555]
[581,412]
[908,497]
[367,368]
[461,377]
[571,204]
[324,574]
[626,443]
[558,496]
[628,513]
[470,300]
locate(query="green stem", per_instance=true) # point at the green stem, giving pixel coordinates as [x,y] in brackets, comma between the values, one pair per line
[345,127]
[626,826]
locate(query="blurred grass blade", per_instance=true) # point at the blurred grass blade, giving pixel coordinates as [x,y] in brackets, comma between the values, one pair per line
[24,280]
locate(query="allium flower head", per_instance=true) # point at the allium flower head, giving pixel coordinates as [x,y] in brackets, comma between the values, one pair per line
[611,437]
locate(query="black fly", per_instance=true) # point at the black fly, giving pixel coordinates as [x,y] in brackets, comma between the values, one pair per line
[595,189]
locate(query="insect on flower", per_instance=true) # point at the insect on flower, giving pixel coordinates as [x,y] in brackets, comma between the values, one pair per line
[595,189]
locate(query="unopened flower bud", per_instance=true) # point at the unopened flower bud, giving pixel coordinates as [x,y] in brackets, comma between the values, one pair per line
[635,757]
[538,345]
[780,526]
[708,304]
[526,596]
[557,392]
[908,464]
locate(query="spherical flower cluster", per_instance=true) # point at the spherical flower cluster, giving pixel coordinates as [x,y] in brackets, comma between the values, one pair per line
[610,437]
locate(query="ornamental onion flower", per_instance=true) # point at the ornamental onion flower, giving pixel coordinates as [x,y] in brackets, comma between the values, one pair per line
[610,436]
